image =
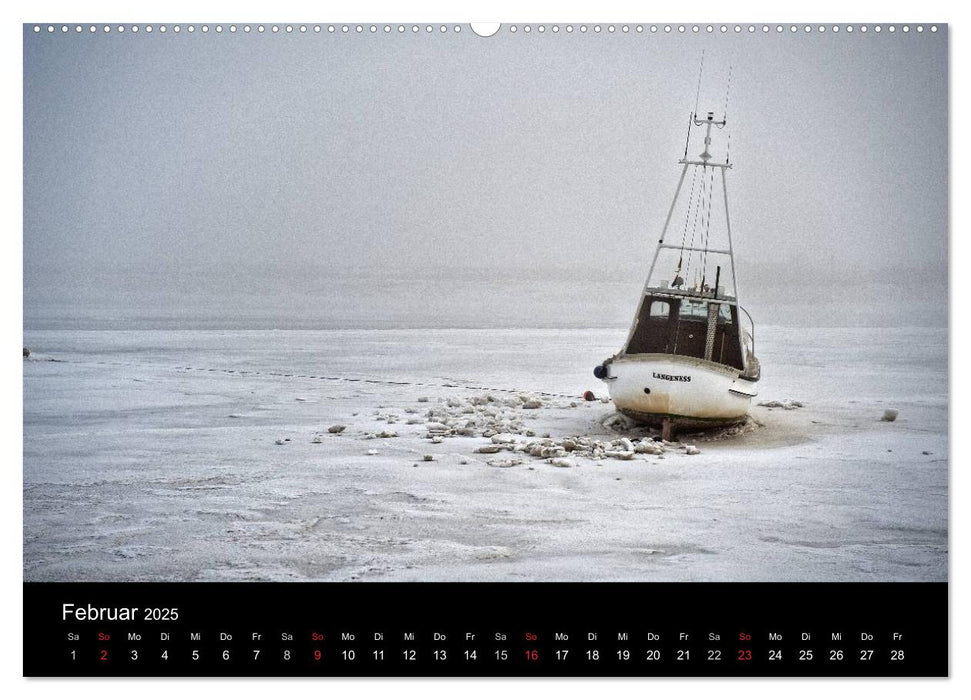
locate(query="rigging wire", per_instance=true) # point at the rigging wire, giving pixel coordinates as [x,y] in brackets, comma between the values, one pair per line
[687,211]
[694,228]
[704,263]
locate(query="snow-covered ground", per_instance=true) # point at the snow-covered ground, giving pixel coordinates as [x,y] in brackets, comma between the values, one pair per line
[154,455]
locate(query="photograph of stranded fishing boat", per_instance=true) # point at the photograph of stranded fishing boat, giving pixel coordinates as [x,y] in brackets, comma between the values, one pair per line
[566,304]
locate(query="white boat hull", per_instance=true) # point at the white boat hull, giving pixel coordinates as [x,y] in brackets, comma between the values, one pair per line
[687,391]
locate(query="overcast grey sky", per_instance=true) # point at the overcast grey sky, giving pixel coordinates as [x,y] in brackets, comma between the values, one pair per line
[181,168]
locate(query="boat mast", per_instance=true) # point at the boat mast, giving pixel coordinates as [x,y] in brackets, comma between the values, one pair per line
[704,164]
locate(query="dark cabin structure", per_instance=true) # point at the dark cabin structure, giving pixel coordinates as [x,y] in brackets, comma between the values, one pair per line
[678,325]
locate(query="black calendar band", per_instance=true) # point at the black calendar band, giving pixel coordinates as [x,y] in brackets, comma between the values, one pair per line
[477,629]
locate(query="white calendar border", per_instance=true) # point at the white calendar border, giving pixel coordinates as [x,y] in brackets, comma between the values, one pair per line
[11,290]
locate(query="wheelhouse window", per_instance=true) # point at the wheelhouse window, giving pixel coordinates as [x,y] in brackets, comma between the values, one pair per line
[660,310]
[693,310]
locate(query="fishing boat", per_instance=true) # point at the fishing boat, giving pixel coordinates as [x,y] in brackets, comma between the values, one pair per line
[689,360]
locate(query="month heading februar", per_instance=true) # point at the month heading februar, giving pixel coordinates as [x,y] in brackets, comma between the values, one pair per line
[92,613]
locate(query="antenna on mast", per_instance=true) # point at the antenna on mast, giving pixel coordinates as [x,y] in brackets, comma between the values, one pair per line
[728,90]
[698,91]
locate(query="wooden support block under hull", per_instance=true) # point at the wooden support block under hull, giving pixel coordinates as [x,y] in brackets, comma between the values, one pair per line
[681,423]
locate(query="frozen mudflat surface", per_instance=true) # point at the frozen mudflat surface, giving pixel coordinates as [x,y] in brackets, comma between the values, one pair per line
[153,455]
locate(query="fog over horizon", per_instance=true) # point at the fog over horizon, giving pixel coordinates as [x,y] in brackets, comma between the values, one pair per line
[330,180]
